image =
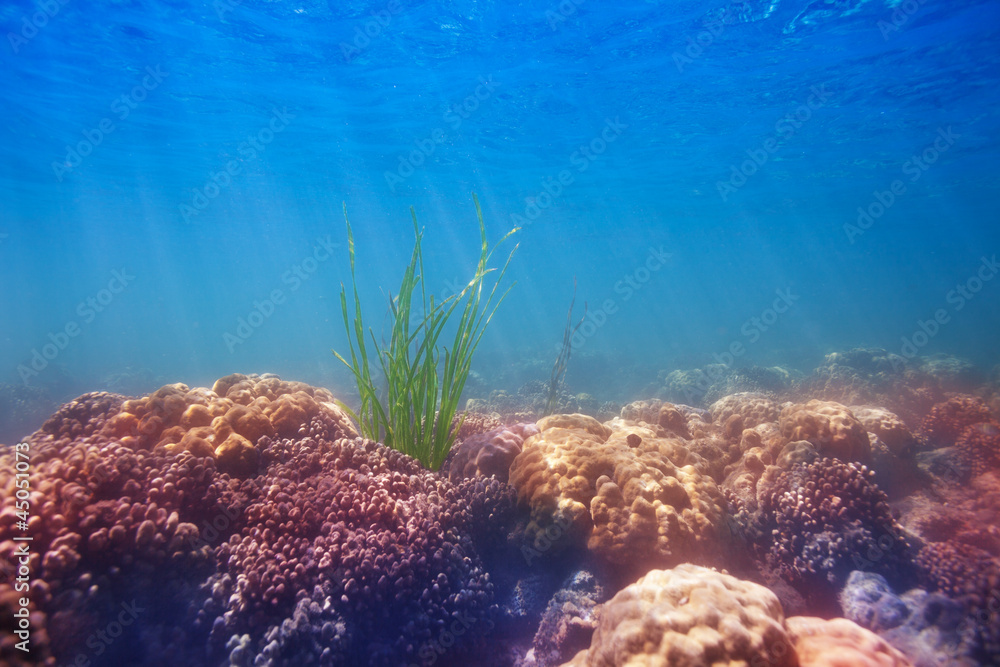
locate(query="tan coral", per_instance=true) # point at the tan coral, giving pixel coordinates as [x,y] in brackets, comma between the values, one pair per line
[830,426]
[237,455]
[621,488]
[642,411]
[839,642]
[690,616]
[767,436]
[888,427]
[204,421]
[753,407]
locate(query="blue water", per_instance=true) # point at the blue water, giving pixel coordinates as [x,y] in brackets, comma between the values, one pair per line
[116,117]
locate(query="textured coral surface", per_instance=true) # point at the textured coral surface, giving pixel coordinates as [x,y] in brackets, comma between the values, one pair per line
[690,616]
[753,408]
[629,494]
[488,454]
[948,419]
[840,643]
[329,550]
[887,426]
[828,518]
[248,524]
[830,426]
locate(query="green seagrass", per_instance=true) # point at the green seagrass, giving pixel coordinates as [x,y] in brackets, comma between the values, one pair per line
[423,380]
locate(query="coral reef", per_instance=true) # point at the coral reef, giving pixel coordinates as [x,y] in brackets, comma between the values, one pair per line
[204,422]
[336,550]
[952,373]
[568,623]
[690,616]
[108,523]
[375,553]
[979,447]
[873,376]
[856,376]
[473,423]
[248,524]
[840,643]
[888,427]
[948,419]
[830,426]
[825,519]
[703,386]
[929,628]
[528,403]
[754,408]
[488,454]
[971,576]
[629,494]
[954,510]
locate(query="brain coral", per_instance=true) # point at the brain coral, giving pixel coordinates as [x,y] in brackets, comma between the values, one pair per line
[754,408]
[829,426]
[838,642]
[947,420]
[335,551]
[489,454]
[623,489]
[690,616]
[827,518]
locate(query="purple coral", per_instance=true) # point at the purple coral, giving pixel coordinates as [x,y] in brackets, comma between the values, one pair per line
[339,551]
[827,518]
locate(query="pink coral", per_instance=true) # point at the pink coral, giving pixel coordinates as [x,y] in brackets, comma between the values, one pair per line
[489,454]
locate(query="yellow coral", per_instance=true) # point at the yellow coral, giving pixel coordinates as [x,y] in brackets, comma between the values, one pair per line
[754,408]
[690,616]
[888,427]
[624,490]
[839,642]
[226,421]
[831,427]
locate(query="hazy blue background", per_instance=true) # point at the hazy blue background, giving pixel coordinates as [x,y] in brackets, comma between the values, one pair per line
[556,85]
